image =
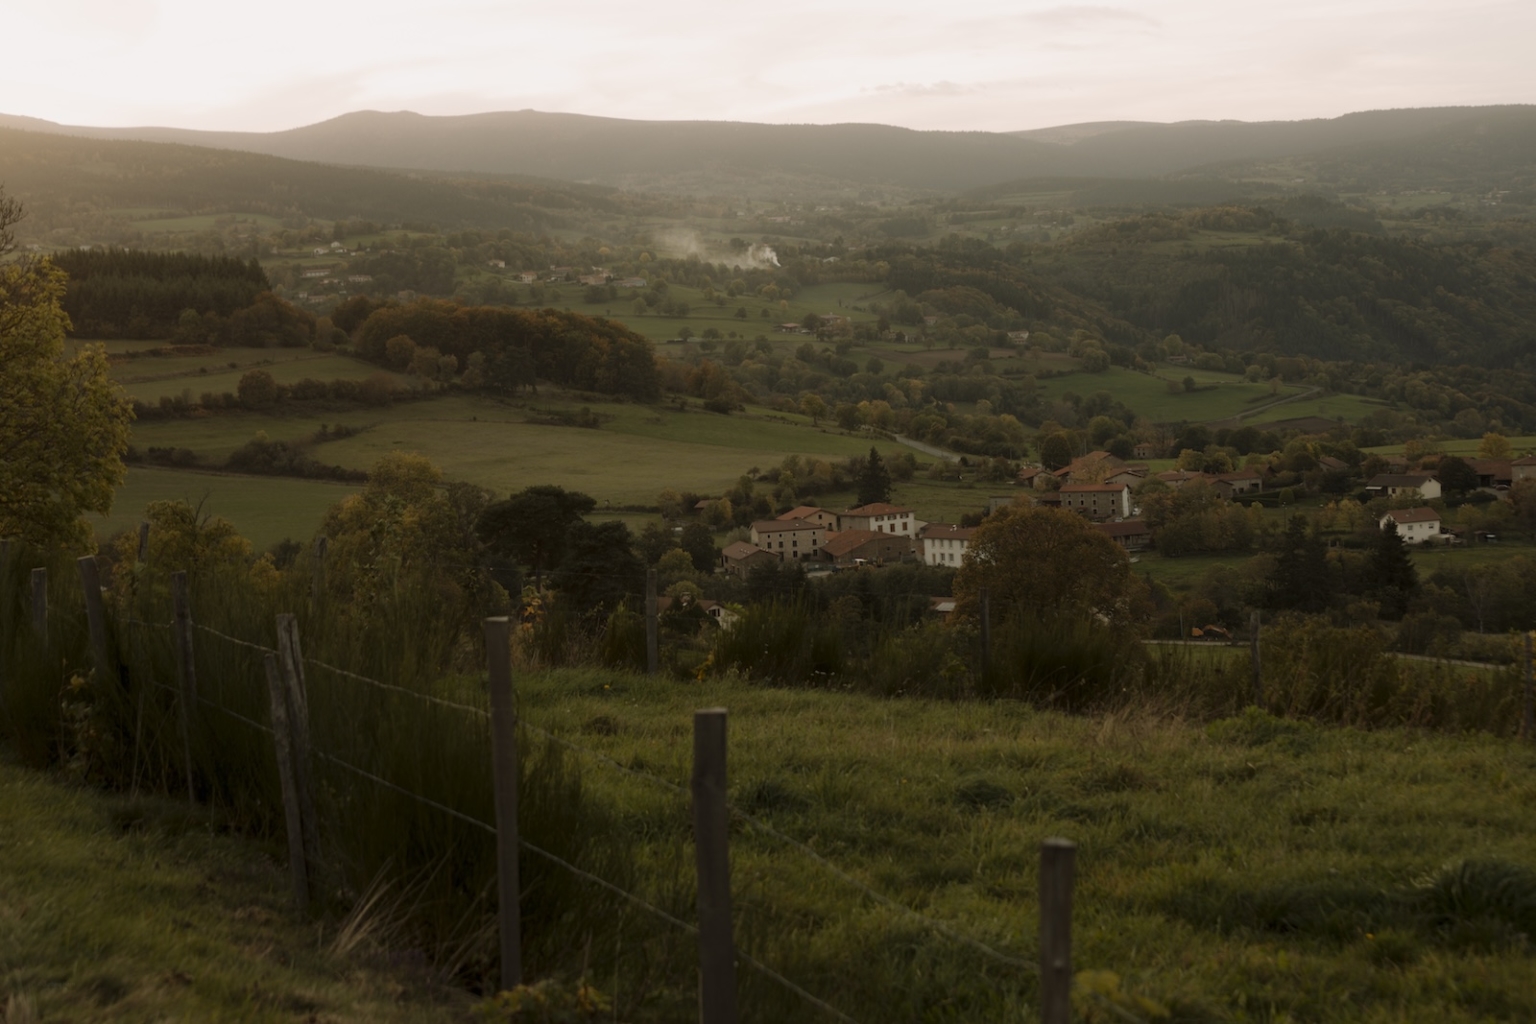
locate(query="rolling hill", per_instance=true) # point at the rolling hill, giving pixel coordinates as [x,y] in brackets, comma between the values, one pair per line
[655,154]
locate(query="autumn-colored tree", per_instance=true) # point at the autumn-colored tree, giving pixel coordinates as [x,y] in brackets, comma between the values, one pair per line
[1494,446]
[63,420]
[1048,562]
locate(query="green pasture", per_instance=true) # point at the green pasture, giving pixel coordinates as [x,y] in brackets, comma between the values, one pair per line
[1256,869]
[1350,408]
[1466,447]
[1151,397]
[148,378]
[117,907]
[1183,572]
[265,510]
[632,457]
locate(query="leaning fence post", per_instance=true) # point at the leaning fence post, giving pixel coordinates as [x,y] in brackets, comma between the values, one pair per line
[1253,651]
[293,816]
[95,613]
[1057,858]
[652,649]
[1530,692]
[291,661]
[40,602]
[186,668]
[711,827]
[498,650]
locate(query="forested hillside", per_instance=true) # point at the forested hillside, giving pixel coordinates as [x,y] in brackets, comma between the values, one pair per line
[143,294]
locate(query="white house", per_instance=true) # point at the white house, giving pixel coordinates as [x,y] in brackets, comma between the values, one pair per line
[878,517]
[1397,485]
[945,543]
[1414,525]
[789,539]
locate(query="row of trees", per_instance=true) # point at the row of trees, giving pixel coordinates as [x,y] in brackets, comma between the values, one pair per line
[116,293]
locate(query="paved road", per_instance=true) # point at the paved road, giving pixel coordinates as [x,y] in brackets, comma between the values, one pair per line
[927,449]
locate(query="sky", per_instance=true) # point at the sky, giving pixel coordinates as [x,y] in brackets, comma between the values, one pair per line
[978,65]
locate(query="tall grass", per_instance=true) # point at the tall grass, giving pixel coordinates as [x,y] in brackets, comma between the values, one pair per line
[119,729]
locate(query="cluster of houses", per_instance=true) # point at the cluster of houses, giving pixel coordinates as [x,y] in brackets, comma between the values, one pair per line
[868,535]
[562,275]
[1098,486]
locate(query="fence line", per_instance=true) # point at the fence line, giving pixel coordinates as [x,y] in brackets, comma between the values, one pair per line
[758,966]
[863,887]
[233,639]
[468,708]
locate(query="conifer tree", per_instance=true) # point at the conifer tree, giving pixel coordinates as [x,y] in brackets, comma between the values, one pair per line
[874,480]
[1389,573]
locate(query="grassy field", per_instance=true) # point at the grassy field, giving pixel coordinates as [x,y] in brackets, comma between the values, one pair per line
[124,910]
[1256,870]
[1149,396]
[264,509]
[1351,408]
[150,377]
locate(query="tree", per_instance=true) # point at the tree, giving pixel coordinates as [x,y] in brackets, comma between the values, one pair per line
[1456,476]
[700,545]
[63,421]
[1300,579]
[532,527]
[599,568]
[1494,446]
[1045,561]
[874,481]
[1055,451]
[1390,577]
[257,389]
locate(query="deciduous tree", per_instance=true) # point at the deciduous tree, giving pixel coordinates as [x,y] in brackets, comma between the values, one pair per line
[63,421]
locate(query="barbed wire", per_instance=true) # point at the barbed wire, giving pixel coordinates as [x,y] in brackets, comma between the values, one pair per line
[232,639]
[149,625]
[808,851]
[428,801]
[393,688]
[215,705]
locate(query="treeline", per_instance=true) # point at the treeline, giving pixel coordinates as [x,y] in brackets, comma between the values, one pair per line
[505,350]
[135,294]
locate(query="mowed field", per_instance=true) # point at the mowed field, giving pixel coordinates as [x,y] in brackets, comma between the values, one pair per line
[637,452]
[148,378]
[1150,396]
[264,509]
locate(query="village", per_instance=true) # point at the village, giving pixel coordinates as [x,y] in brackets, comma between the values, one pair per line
[1105,490]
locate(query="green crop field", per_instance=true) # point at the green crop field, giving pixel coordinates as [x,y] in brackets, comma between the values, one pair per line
[264,509]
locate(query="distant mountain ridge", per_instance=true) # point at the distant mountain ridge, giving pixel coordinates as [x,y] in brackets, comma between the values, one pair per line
[642,154]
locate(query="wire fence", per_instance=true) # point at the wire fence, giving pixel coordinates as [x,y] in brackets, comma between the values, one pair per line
[604,760]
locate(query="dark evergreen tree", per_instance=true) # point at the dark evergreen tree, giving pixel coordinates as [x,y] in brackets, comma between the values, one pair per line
[699,542]
[1300,580]
[599,569]
[1390,577]
[533,526]
[874,482]
[1455,476]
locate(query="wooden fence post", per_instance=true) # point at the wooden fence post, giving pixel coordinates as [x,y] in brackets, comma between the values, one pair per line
[985,598]
[291,660]
[498,650]
[282,740]
[711,837]
[1529,724]
[317,571]
[40,602]
[95,614]
[186,668]
[652,646]
[143,555]
[1253,650]
[1057,857]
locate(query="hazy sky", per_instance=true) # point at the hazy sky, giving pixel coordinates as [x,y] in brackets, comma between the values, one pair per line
[980,64]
